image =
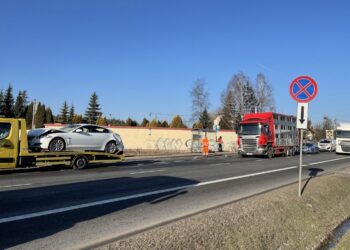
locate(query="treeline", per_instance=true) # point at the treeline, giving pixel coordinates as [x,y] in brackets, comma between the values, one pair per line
[20,107]
[241,96]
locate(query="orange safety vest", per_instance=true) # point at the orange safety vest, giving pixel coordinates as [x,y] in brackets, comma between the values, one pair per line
[205,142]
[220,140]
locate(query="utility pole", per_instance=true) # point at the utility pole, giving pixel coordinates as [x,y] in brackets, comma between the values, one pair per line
[34,113]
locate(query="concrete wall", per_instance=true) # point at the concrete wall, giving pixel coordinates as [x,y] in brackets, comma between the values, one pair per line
[168,139]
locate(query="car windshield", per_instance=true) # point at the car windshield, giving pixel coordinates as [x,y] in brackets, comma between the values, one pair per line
[249,129]
[343,134]
[69,128]
[325,141]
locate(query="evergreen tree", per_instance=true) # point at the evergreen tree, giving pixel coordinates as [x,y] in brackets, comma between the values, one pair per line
[165,124]
[2,104]
[177,122]
[130,122]
[29,115]
[204,120]
[144,122]
[93,110]
[8,102]
[20,107]
[63,117]
[40,116]
[250,102]
[71,114]
[49,116]
[117,122]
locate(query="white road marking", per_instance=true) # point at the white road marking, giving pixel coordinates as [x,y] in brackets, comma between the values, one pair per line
[151,171]
[259,160]
[140,164]
[16,185]
[108,201]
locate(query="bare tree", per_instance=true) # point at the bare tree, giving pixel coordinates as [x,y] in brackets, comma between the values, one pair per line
[200,99]
[264,94]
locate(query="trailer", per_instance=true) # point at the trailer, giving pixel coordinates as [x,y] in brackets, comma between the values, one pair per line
[15,153]
[267,134]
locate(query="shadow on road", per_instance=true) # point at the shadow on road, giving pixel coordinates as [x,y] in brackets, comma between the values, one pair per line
[26,201]
[312,173]
[64,167]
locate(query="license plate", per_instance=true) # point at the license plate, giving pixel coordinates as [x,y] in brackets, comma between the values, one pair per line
[249,153]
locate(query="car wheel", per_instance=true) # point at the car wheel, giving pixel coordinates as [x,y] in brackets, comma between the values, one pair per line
[57,145]
[79,162]
[111,147]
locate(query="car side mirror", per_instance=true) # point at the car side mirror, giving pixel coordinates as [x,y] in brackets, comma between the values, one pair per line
[79,130]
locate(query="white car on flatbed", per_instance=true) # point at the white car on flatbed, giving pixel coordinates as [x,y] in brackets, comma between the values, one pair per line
[76,137]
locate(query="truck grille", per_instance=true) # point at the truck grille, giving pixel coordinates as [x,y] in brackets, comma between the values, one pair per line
[249,145]
[345,148]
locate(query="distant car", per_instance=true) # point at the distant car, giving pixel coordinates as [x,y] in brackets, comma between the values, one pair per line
[327,145]
[76,137]
[310,148]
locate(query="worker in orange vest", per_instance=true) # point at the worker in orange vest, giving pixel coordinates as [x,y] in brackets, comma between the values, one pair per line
[205,145]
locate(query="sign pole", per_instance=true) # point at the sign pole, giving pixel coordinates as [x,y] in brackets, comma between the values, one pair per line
[303,89]
[301,159]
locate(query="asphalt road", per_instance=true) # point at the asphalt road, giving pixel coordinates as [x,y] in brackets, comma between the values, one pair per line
[59,208]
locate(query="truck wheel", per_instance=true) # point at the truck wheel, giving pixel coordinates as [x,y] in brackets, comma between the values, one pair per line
[79,162]
[270,153]
[57,145]
[111,147]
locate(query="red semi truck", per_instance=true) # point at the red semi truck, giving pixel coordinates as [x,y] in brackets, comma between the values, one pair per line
[267,134]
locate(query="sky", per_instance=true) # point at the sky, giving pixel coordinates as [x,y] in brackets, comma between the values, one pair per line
[142,57]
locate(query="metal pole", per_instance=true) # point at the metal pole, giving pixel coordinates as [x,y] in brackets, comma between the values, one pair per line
[33,114]
[301,159]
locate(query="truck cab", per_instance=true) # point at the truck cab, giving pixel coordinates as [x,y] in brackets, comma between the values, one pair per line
[343,139]
[255,136]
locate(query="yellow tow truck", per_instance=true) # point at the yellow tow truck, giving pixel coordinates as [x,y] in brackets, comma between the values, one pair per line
[15,153]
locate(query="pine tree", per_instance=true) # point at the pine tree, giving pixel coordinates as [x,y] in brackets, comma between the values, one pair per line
[63,117]
[8,102]
[165,124]
[40,116]
[71,114]
[204,120]
[29,115]
[130,122]
[2,104]
[20,107]
[144,122]
[49,116]
[177,122]
[93,110]
[249,99]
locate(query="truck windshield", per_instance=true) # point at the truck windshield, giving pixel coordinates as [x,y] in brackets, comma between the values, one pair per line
[249,129]
[343,134]
[4,130]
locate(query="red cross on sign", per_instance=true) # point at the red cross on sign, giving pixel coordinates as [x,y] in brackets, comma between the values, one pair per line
[303,89]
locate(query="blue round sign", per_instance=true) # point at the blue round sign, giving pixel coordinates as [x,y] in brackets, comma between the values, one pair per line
[303,89]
